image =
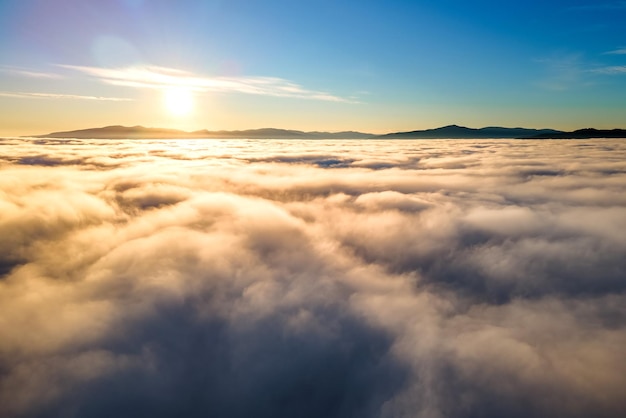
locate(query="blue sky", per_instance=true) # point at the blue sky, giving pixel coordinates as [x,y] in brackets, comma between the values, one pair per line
[375,66]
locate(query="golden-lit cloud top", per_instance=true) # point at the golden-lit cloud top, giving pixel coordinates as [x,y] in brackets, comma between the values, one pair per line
[312,278]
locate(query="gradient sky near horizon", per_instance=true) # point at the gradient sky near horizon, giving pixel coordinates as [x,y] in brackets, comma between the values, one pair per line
[374,66]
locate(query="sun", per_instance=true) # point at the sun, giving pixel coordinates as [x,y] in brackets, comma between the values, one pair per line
[178,101]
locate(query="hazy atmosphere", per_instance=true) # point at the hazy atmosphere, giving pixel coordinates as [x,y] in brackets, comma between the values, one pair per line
[312,278]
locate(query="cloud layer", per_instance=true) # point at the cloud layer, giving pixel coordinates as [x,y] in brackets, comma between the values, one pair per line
[30,95]
[312,278]
[154,77]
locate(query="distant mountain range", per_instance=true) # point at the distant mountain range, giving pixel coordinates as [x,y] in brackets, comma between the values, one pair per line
[445,132]
[139,132]
[455,131]
[583,134]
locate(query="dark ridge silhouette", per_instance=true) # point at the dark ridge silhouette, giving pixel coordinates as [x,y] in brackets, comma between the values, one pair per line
[586,133]
[458,132]
[445,132]
[140,132]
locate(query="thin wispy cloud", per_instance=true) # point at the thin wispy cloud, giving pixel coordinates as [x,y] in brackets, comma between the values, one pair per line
[571,71]
[619,51]
[610,70]
[23,72]
[28,95]
[159,78]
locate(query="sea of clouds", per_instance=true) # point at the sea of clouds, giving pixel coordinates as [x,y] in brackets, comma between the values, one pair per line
[212,278]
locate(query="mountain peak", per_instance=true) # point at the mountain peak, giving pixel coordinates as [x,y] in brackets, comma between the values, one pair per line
[444,132]
[140,132]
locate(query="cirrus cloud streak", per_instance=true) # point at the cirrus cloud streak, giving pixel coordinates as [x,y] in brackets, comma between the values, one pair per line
[155,77]
[31,95]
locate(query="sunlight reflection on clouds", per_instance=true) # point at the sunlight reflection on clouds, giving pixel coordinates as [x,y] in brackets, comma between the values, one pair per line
[312,278]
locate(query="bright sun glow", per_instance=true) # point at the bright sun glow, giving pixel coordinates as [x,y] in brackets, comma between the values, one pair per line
[178,101]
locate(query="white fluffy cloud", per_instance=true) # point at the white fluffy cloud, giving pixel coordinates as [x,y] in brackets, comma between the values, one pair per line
[287,278]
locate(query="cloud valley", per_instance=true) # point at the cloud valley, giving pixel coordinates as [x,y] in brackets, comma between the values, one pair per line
[312,278]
